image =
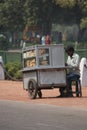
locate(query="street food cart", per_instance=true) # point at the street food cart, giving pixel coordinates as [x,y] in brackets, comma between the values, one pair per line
[43,68]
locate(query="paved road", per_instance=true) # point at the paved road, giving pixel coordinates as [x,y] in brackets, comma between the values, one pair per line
[29,116]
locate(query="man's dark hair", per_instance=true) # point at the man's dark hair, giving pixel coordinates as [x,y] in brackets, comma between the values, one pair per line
[69,48]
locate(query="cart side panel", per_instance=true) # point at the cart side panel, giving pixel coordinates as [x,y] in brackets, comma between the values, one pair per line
[55,77]
[58,56]
[27,76]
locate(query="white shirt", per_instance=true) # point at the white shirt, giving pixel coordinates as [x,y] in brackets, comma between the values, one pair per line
[74,62]
[43,40]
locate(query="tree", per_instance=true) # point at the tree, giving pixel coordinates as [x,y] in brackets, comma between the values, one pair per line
[12,15]
[40,13]
[78,14]
[3,42]
[15,15]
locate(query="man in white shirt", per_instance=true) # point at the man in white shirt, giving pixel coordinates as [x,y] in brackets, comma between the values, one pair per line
[73,62]
[73,71]
[43,39]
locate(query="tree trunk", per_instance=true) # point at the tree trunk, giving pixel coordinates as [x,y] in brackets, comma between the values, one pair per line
[46,27]
[81,34]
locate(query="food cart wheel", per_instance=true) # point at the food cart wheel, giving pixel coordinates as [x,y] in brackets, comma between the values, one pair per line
[39,93]
[32,89]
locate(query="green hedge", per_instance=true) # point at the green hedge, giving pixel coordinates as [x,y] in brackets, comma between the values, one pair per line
[13,70]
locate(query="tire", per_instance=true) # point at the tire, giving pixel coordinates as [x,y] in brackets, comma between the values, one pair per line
[39,93]
[32,89]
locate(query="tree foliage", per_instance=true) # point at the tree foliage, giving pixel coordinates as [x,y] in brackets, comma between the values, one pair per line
[12,14]
[40,13]
[16,14]
[65,3]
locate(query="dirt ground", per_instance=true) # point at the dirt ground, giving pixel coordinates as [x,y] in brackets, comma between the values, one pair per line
[12,90]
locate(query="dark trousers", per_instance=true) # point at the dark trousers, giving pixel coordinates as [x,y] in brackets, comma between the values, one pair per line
[69,78]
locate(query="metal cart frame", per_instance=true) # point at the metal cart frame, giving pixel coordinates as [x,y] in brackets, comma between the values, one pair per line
[48,70]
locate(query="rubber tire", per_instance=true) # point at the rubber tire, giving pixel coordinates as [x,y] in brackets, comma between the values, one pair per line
[32,89]
[39,93]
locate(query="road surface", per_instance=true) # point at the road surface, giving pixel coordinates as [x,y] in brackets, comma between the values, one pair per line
[16,115]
